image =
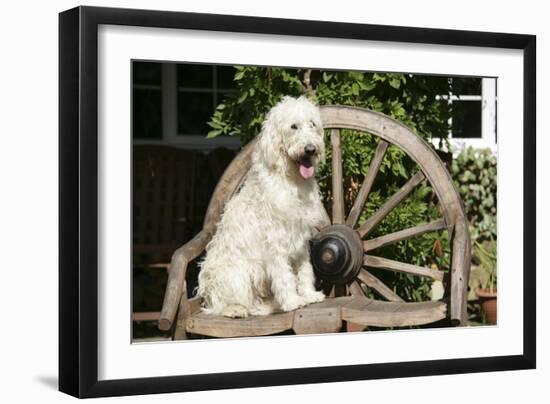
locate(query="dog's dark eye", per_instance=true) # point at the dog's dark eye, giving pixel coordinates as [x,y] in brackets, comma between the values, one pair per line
[313,123]
[294,126]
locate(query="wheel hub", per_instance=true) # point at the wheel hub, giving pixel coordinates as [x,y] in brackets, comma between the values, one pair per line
[336,254]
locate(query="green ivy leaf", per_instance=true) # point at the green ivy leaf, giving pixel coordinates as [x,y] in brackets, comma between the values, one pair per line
[395,82]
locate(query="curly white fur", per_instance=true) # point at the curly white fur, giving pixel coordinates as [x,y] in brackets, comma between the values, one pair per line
[258,260]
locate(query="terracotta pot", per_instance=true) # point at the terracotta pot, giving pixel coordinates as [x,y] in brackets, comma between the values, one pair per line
[488,301]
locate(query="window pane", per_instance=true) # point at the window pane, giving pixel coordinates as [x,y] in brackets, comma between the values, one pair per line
[225,76]
[466,119]
[196,76]
[146,114]
[466,86]
[433,84]
[146,73]
[194,111]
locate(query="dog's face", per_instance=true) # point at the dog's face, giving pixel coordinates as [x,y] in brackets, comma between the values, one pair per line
[294,126]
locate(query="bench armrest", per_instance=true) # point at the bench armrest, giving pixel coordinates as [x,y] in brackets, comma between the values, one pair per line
[176,286]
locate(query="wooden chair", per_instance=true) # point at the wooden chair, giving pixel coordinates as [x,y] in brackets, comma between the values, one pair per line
[342,279]
[171,188]
[162,207]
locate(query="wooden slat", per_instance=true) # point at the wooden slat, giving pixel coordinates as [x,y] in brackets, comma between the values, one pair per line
[164,266]
[331,303]
[384,263]
[354,327]
[337,178]
[192,194]
[220,326]
[391,203]
[187,308]
[170,216]
[318,317]
[340,290]
[359,303]
[146,316]
[460,272]
[193,306]
[363,194]
[328,289]
[139,224]
[312,320]
[372,281]
[355,289]
[155,210]
[403,234]
[322,317]
[393,314]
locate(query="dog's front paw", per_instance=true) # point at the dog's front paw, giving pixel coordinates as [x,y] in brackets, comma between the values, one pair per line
[293,303]
[235,311]
[314,297]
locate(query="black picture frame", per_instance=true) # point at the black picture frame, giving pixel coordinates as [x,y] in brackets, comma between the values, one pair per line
[78,200]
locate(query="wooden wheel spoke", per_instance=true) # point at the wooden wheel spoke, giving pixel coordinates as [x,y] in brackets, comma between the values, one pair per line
[337,178]
[328,289]
[363,194]
[340,290]
[372,281]
[396,266]
[403,234]
[355,289]
[391,203]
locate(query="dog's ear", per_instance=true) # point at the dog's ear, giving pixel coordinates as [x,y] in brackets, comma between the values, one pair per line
[270,147]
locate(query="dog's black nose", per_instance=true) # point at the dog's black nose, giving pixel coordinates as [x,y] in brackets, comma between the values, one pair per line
[309,149]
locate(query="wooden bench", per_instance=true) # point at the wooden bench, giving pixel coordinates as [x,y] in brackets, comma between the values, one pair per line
[347,307]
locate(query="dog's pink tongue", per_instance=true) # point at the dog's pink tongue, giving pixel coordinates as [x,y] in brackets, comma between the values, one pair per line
[306,172]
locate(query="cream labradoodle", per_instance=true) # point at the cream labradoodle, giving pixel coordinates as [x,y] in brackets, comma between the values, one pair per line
[258,260]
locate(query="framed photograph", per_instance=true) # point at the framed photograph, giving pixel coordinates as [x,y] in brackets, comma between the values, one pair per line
[251,201]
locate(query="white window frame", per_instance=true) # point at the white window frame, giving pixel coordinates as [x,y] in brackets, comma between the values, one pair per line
[170,136]
[488,99]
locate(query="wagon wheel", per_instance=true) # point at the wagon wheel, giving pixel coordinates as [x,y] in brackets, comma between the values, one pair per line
[341,252]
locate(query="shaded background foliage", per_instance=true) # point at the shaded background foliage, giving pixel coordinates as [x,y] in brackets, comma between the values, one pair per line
[475,174]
